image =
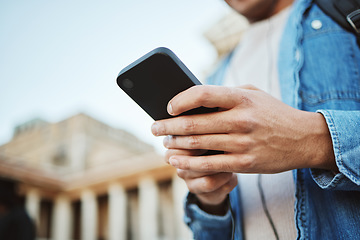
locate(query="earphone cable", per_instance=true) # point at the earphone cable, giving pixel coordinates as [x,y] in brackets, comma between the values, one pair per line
[263,202]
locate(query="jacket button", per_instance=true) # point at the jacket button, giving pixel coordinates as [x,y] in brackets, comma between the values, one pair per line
[316,24]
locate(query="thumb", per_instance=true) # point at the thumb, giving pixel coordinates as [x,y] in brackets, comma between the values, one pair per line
[249,87]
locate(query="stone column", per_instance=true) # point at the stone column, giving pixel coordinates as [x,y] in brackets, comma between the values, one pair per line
[148,209]
[179,193]
[167,221]
[117,212]
[88,215]
[32,205]
[62,219]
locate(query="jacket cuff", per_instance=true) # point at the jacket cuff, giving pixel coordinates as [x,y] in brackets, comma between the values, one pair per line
[204,225]
[344,130]
[328,180]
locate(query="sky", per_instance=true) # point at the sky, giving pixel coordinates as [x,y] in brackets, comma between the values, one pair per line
[59,58]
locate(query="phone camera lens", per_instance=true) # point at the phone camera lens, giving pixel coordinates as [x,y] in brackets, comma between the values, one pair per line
[127,83]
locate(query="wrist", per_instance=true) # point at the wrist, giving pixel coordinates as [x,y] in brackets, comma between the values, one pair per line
[322,156]
[219,209]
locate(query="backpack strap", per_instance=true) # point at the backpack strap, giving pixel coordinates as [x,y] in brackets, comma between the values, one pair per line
[345,12]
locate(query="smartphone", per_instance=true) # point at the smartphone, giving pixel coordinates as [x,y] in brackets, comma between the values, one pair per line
[154,79]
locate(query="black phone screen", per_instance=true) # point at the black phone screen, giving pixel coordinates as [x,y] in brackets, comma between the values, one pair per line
[154,79]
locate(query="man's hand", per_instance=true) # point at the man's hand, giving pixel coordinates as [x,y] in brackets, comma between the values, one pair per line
[256,132]
[211,188]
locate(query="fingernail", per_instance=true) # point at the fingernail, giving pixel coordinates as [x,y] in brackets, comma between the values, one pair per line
[155,129]
[173,162]
[166,141]
[170,109]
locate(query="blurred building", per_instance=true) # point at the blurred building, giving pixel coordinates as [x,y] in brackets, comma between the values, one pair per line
[82,179]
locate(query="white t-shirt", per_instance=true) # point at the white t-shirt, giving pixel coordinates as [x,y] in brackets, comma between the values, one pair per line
[255,62]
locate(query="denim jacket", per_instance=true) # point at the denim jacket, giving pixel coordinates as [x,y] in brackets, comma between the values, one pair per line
[319,71]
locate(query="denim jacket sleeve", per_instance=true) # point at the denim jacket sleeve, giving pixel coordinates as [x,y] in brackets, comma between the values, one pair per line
[206,226]
[345,131]
[319,70]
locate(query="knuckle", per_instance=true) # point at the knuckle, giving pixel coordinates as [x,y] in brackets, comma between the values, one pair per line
[225,166]
[188,125]
[194,142]
[245,100]
[242,144]
[208,184]
[247,163]
[244,122]
[206,166]
[204,95]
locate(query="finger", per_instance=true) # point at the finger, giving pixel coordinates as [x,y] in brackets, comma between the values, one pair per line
[215,163]
[208,184]
[219,122]
[184,152]
[249,87]
[218,196]
[188,174]
[204,96]
[222,142]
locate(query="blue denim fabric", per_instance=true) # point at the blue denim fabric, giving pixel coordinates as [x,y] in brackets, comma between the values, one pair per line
[319,71]
[205,226]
